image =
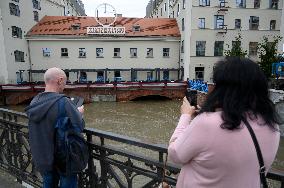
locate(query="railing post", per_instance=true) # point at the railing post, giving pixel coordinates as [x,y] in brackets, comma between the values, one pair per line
[104,166]
[159,169]
[93,179]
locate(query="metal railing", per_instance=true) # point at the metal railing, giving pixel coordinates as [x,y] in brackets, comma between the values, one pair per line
[114,85]
[115,160]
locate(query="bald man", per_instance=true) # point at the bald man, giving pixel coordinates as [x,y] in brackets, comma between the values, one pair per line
[43,113]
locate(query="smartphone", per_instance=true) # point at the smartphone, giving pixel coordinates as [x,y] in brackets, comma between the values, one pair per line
[78,101]
[191,96]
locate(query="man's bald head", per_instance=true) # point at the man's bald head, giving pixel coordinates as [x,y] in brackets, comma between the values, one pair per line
[55,80]
[53,74]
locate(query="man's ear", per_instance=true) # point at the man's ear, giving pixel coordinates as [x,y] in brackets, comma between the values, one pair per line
[59,81]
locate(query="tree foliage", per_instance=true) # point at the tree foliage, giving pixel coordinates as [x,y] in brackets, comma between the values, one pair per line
[267,53]
[236,50]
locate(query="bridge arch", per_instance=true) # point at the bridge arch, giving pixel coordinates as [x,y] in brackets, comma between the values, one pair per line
[14,98]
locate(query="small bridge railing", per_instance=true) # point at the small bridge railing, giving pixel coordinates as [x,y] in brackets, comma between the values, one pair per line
[115,160]
[113,85]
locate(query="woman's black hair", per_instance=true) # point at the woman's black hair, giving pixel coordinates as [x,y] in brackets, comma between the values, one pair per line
[240,87]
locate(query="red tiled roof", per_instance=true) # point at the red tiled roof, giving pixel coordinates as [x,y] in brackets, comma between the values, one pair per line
[61,25]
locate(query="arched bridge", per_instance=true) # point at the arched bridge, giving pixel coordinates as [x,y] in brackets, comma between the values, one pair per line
[126,91]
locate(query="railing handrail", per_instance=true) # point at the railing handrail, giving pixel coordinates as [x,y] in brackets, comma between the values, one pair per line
[115,85]
[127,82]
[125,139]
[12,112]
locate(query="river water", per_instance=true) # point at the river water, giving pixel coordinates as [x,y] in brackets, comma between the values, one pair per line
[151,121]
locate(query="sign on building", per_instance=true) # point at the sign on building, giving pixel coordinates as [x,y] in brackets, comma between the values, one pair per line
[106,30]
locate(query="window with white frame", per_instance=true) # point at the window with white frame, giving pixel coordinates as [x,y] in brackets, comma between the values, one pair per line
[36,4]
[201,23]
[183,4]
[14,9]
[64,52]
[166,52]
[133,52]
[46,52]
[222,3]
[16,32]
[82,53]
[218,48]
[238,23]
[253,48]
[272,24]
[165,7]
[219,22]
[182,46]
[200,48]
[273,4]
[116,52]
[241,3]
[19,56]
[150,53]
[99,52]
[36,16]
[199,73]
[204,3]
[178,10]
[256,3]
[254,23]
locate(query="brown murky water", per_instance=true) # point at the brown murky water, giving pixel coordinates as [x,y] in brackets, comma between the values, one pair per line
[152,121]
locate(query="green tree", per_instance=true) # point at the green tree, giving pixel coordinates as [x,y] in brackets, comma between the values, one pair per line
[236,50]
[267,53]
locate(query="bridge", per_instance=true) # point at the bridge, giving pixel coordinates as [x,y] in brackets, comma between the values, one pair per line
[115,160]
[123,91]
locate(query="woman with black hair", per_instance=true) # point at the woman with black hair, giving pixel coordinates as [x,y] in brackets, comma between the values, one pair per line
[215,148]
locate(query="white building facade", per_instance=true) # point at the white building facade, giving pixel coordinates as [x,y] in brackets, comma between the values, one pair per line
[208,26]
[146,52]
[17,17]
[281,45]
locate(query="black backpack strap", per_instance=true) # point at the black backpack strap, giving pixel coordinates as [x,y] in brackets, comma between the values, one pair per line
[259,154]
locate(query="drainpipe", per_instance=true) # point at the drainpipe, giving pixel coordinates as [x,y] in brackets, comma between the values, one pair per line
[179,51]
[30,62]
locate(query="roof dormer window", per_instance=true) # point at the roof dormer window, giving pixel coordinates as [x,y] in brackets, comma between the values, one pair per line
[136,28]
[76,26]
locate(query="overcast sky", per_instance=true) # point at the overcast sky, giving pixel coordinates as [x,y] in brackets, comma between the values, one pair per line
[128,8]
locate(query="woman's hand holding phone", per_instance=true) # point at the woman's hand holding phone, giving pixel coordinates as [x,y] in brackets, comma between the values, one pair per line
[186,108]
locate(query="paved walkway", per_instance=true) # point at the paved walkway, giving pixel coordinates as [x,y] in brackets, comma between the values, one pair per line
[8,181]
